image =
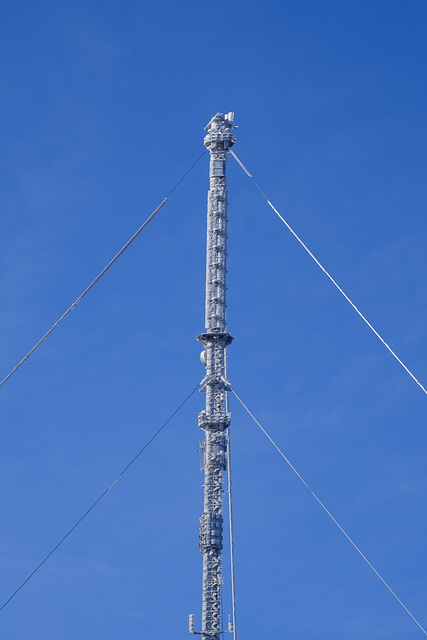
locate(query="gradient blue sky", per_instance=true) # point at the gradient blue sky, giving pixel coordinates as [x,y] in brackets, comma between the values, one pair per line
[103,108]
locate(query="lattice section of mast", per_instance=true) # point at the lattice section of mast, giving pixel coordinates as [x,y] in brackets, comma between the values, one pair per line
[214,420]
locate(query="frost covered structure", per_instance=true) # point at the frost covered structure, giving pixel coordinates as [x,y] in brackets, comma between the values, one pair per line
[214,420]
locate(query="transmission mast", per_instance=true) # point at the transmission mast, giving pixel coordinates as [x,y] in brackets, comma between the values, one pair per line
[214,420]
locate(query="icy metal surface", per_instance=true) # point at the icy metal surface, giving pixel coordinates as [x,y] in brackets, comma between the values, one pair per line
[214,420]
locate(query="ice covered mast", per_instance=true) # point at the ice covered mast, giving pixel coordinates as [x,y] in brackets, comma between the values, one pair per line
[214,420]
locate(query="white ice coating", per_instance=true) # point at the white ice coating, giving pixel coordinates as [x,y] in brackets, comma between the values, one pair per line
[214,419]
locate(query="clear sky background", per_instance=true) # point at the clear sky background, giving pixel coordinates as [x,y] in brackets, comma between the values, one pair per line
[103,106]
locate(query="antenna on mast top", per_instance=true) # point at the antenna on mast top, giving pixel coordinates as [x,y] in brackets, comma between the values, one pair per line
[225,120]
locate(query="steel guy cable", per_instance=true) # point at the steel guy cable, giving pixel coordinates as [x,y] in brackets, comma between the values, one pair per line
[329,514]
[387,346]
[104,493]
[99,276]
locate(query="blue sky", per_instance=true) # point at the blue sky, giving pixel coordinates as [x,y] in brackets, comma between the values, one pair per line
[103,108]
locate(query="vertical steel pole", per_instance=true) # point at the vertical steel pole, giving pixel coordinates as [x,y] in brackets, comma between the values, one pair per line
[215,419]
